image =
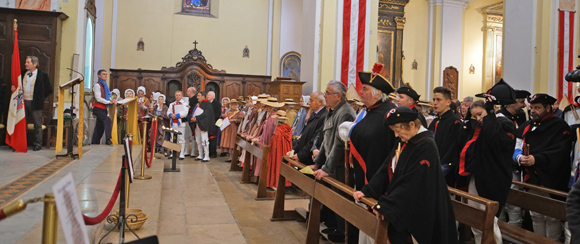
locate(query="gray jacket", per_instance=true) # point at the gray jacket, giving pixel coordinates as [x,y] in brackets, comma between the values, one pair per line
[331,154]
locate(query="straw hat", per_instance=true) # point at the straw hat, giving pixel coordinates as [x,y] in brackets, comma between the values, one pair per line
[280,114]
[235,101]
[289,101]
[261,98]
[424,103]
[273,102]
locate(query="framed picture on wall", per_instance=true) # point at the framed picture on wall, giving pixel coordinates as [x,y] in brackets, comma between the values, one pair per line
[290,65]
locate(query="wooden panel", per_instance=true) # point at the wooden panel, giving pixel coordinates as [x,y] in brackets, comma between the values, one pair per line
[253,89]
[152,85]
[232,89]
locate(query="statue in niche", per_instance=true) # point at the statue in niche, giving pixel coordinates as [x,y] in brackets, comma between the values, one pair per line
[414,65]
[246,53]
[471,69]
[140,45]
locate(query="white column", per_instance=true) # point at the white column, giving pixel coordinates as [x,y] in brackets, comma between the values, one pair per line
[114,34]
[98,58]
[310,44]
[452,36]
[519,43]
[338,40]
[270,24]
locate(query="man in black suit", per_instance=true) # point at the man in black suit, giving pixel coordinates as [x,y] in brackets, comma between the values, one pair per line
[217,111]
[314,124]
[36,88]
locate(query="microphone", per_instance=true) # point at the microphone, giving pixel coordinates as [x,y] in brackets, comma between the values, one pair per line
[76,72]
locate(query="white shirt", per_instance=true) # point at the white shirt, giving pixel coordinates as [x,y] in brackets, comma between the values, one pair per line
[29,84]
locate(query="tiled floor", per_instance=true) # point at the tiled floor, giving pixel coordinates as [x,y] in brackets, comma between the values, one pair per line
[204,203]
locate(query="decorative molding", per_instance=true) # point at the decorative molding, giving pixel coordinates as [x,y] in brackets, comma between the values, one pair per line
[400,22]
[396,2]
[494,9]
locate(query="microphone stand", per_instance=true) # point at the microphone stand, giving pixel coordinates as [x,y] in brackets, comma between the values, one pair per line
[69,144]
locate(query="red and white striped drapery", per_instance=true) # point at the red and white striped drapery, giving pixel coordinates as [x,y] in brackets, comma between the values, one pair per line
[353,42]
[566,26]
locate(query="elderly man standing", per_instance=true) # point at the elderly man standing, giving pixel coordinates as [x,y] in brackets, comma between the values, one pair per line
[329,161]
[314,124]
[217,110]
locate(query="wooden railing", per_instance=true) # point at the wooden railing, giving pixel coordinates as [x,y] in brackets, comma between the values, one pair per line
[260,151]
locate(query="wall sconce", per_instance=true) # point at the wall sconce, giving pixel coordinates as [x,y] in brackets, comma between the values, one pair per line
[471,69]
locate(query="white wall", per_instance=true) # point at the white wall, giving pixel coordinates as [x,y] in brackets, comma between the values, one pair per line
[290,27]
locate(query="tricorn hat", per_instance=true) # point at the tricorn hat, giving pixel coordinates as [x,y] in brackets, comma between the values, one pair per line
[409,92]
[376,80]
[522,94]
[400,115]
[542,98]
[501,93]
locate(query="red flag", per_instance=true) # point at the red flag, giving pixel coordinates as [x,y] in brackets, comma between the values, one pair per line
[353,42]
[566,28]
[16,126]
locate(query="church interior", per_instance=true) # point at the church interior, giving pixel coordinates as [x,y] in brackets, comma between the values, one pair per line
[285,48]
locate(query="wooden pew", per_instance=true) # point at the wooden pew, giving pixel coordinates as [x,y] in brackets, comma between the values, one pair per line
[359,216]
[260,151]
[529,201]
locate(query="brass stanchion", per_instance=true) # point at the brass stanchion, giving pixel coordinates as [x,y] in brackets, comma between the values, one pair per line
[155,133]
[144,154]
[127,189]
[50,221]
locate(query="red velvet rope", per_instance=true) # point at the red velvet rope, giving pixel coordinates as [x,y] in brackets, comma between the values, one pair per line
[99,218]
[152,137]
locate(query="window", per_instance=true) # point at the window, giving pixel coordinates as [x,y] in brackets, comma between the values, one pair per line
[196,6]
[89,54]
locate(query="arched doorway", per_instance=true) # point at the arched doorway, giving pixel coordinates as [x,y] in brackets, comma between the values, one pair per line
[172,87]
[211,86]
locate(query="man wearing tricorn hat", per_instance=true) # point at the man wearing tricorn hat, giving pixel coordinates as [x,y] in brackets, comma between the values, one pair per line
[487,147]
[370,141]
[409,187]
[408,97]
[543,148]
[515,111]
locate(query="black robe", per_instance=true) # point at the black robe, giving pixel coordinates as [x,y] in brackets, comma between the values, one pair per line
[414,198]
[446,130]
[517,119]
[487,156]
[314,125]
[550,144]
[371,143]
[206,120]
[192,103]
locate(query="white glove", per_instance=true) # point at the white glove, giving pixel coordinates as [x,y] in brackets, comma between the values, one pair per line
[344,130]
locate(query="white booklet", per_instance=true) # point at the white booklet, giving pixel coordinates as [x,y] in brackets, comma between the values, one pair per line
[225,123]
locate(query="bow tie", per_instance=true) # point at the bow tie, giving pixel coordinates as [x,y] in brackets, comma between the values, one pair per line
[29,74]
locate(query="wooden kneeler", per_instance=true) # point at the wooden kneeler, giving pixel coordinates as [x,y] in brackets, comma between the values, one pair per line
[258,150]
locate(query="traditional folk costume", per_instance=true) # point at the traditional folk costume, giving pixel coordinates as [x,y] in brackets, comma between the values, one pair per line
[371,142]
[486,154]
[228,140]
[411,190]
[548,140]
[407,90]
[291,112]
[280,144]
[204,123]
[267,130]
[179,109]
[446,128]
[103,100]
[162,120]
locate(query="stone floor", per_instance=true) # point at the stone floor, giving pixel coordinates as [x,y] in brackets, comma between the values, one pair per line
[204,203]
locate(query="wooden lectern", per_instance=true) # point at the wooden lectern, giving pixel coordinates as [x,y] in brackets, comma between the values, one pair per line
[132,126]
[60,121]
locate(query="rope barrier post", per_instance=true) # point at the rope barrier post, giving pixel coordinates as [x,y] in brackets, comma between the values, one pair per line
[153,138]
[127,188]
[50,220]
[143,156]
[130,142]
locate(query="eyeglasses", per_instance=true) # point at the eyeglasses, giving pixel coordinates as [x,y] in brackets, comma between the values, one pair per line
[330,93]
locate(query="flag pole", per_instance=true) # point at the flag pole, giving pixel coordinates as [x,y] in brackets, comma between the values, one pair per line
[15,24]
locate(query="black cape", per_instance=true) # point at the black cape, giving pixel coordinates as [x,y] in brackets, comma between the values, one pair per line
[206,120]
[415,198]
[550,144]
[42,89]
[487,156]
[192,103]
[446,130]
[372,143]
[518,119]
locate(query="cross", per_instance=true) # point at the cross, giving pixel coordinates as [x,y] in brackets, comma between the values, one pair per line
[195,43]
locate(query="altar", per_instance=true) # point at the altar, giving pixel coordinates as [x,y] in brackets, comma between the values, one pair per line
[195,71]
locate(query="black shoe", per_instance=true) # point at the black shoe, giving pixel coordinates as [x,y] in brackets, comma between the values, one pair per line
[180,158]
[223,154]
[205,160]
[331,231]
[229,160]
[213,155]
[109,142]
[36,148]
[197,159]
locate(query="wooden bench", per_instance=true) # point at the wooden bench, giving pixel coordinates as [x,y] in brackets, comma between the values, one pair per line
[358,216]
[529,201]
[260,151]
